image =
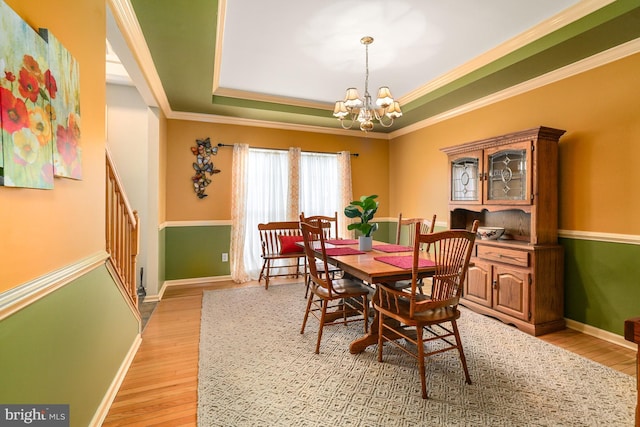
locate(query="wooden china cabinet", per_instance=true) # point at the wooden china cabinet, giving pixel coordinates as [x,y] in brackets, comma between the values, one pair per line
[511,181]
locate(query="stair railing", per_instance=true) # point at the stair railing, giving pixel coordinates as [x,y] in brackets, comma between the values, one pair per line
[122,232]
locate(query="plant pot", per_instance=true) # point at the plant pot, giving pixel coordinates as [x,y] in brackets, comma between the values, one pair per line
[365,243]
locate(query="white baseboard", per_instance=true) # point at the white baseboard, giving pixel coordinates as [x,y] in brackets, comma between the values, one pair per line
[601,334]
[185,282]
[110,395]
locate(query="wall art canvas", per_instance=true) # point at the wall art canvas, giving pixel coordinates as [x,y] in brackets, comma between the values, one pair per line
[26,87]
[65,109]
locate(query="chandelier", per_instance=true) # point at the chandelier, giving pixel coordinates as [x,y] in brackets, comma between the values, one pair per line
[354,109]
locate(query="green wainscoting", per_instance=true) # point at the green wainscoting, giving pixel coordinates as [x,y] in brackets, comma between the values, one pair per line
[601,282]
[601,279]
[386,232]
[196,251]
[389,229]
[67,347]
[162,255]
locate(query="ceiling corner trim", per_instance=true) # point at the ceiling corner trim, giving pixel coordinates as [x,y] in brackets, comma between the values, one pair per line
[217,57]
[616,53]
[260,97]
[546,27]
[212,118]
[127,21]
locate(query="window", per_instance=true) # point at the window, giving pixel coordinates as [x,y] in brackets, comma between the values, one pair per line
[268,174]
[319,187]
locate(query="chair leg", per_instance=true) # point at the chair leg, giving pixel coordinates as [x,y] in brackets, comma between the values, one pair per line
[266,278]
[380,335]
[420,343]
[321,327]
[264,263]
[461,351]
[306,313]
[308,283]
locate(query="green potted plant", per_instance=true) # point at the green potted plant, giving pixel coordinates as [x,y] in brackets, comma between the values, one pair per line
[364,209]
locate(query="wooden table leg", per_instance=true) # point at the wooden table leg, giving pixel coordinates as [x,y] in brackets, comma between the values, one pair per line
[360,344]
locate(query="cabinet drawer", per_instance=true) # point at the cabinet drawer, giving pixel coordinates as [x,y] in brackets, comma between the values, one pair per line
[506,256]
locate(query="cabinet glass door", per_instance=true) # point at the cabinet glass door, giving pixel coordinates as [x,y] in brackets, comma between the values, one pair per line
[507,175]
[465,179]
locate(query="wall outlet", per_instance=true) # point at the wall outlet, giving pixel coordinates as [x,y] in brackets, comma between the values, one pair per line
[225,257]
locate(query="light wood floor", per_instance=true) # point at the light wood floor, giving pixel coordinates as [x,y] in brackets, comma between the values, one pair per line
[160,388]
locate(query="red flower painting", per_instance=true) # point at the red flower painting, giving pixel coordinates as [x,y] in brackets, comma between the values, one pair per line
[14,112]
[39,106]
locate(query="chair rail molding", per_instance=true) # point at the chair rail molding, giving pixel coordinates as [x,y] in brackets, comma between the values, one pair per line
[197,223]
[20,297]
[631,239]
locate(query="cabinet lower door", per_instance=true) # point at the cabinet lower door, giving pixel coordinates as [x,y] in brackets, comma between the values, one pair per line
[511,291]
[477,286]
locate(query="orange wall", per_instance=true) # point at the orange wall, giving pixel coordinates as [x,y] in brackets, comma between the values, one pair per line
[44,230]
[370,170]
[599,109]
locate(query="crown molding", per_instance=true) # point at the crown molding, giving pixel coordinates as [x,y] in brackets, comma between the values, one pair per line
[548,26]
[217,58]
[261,97]
[616,53]
[212,118]
[128,24]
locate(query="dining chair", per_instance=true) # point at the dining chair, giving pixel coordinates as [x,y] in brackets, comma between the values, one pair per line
[331,301]
[278,241]
[410,225]
[329,224]
[330,231]
[415,315]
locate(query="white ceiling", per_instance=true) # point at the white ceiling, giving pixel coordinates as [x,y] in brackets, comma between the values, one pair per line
[312,51]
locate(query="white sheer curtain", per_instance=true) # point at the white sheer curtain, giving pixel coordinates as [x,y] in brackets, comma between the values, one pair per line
[238,212]
[275,185]
[319,188]
[268,186]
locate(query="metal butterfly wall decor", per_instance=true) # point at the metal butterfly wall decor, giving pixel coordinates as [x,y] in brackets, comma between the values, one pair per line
[203,165]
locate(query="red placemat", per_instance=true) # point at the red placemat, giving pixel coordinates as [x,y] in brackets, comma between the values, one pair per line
[392,248]
[342,241]
[404,261]
[343,251]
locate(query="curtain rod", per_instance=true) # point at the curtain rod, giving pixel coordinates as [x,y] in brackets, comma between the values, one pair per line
[284,149]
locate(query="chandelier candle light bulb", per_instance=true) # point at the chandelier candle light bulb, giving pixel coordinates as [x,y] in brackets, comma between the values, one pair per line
[355,109]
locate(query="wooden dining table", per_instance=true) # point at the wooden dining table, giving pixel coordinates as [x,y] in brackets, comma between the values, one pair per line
[365,267]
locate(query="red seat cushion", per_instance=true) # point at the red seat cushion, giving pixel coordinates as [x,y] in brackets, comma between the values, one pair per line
[288,244]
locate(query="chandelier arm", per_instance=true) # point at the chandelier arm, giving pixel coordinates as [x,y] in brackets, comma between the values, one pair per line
[351,122]
[383,123]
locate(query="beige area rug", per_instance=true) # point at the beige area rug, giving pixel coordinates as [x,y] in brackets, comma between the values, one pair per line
[256,369]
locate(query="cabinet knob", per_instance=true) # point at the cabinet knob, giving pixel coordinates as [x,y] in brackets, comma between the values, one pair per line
[495,284]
